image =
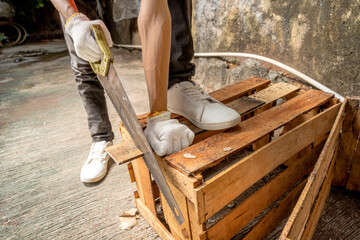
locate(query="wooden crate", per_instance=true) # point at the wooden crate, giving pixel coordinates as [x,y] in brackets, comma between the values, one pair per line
[244,181]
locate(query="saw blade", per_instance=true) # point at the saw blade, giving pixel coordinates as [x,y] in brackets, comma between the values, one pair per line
[120,100]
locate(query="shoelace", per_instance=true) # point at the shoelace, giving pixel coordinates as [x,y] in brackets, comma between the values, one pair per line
[196,92]
[96,152]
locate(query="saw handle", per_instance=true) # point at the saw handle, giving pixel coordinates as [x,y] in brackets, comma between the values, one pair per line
[101,67]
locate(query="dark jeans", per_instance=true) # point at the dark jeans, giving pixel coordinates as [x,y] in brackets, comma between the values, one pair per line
[90,89]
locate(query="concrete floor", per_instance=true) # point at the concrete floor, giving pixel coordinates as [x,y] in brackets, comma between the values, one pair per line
[44,141]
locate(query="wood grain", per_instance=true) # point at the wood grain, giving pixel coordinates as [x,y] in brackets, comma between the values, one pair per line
[209,152]
[124,152]
[279,212]
[240,216]
[153,221]
[295,226]
[252,168]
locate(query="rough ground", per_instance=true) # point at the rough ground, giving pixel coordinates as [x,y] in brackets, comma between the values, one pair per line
[44,141]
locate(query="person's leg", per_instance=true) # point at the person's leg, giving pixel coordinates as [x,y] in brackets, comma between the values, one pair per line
[182,49]
[92,94]
[185,97]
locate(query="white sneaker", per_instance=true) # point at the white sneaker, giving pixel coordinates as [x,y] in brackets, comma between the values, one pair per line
[188,99]
[95,167]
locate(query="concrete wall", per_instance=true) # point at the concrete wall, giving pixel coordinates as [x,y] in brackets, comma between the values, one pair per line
[320,38]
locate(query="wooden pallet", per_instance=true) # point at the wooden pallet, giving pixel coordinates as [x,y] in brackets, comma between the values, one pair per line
[287,134]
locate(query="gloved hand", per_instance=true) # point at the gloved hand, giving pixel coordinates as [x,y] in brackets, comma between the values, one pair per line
[78,27]
[167,136]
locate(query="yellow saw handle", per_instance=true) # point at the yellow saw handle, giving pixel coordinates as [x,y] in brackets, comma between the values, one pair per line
[101,67]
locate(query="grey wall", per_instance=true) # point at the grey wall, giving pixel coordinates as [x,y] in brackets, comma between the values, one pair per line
[320,38]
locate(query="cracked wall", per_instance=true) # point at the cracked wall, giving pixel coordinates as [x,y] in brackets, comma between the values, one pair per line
[317,37]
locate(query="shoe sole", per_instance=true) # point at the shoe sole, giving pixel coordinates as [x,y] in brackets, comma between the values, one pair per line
[210,126]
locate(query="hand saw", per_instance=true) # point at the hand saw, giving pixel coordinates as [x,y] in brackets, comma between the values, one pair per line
[110,81]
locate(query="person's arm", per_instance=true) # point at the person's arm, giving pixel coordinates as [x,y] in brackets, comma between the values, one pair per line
[165,135]
[154,23]
[66,8]
[78,27]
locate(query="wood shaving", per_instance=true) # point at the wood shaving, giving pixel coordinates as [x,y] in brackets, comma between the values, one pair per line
[188,155]
[128,219]
[228,149]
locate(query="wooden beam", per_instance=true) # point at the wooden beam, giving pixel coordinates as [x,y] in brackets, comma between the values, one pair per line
[144,184]
[183,231]
[353,182]
[252,168]
[182,182]
[153,221]
[319,204]
[296,224]
[124,152]
[210,151]
[242,214]
[348,143]
[279,212]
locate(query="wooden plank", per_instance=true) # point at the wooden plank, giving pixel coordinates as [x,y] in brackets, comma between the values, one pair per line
[257,102]
[210,151]
[252,168]
[275,215]
[144,184]
[353,182]
[294,228]
[131,172]
[153,221]
[197,229]
[242,214]
[297,121]
[183,231]
[229,93]
[124,152]
[269,96]
[182,182]
[273,92]
[348,143]
[319,204]
[226,94]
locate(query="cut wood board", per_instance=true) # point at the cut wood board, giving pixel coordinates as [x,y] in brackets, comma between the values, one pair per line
[212,195]
[300,216]
[210,151]
[124,151]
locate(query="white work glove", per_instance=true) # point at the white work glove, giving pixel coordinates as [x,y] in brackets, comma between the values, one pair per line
[167,136]
[78,27]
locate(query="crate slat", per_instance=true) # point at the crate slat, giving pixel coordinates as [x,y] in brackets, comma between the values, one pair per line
[252,168]
[279,212]
[296,224]
[210,151]
[153,221]
[263,197]
[348,143]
